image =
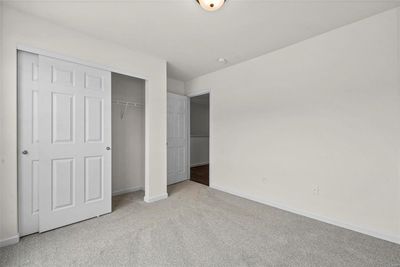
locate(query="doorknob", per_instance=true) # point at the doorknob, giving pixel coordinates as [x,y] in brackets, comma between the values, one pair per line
[108,148]
[25,152]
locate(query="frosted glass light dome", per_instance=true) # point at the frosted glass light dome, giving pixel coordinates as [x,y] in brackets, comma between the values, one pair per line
[211,5]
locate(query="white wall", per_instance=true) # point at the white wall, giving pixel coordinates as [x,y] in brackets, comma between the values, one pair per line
[199,119]
[20,28]
[199,133]
[2,177]
[199,150]
[175,86]
[315,127]
[128,135]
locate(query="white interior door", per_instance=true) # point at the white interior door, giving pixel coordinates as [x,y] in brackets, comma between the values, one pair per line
[28,140]
[74,120]
[177,138]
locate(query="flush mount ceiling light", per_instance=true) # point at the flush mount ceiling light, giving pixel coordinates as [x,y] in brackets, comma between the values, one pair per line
[211,5]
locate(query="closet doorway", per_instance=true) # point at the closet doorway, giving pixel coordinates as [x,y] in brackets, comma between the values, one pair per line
[128,134]
[200,139]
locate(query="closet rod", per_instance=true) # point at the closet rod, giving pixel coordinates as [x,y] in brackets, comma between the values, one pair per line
[120,102]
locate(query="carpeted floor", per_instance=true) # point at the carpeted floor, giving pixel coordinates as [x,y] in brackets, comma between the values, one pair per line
[199,226]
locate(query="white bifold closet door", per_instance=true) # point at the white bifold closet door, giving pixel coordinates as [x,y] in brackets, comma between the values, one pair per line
[65,139]
[177,136]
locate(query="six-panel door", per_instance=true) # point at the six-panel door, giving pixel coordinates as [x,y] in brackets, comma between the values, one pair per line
[74,132]
[177,138]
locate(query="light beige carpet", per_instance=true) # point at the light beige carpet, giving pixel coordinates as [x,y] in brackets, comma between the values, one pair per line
[199,226]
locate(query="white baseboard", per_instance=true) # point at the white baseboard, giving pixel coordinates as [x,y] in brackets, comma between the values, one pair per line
[9,241]
[156,198]
[127,190]
[390,238]
[199,164]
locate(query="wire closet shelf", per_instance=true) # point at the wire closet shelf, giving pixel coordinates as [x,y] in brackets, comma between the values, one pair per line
[126,104]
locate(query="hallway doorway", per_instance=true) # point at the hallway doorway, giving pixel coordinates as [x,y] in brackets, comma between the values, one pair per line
[200,138]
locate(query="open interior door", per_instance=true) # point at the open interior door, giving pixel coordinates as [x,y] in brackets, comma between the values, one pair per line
[177,138]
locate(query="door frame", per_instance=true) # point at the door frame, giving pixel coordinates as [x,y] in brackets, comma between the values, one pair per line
[210,142]
[33,50]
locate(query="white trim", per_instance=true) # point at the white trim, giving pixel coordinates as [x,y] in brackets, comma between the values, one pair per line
[210,139]
[9,241]
[188,148]
[127,190]
[156,198]
[398,74]
[390,238]
[199,164]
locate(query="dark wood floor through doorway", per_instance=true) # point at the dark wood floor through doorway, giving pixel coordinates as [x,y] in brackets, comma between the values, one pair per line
[200,174]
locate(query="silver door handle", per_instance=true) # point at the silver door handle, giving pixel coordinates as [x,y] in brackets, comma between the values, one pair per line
[25,152]
[108,148]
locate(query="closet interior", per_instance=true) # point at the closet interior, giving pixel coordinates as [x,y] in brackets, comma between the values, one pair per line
[128,134]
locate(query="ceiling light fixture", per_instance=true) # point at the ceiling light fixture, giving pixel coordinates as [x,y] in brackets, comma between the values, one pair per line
[211,5]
